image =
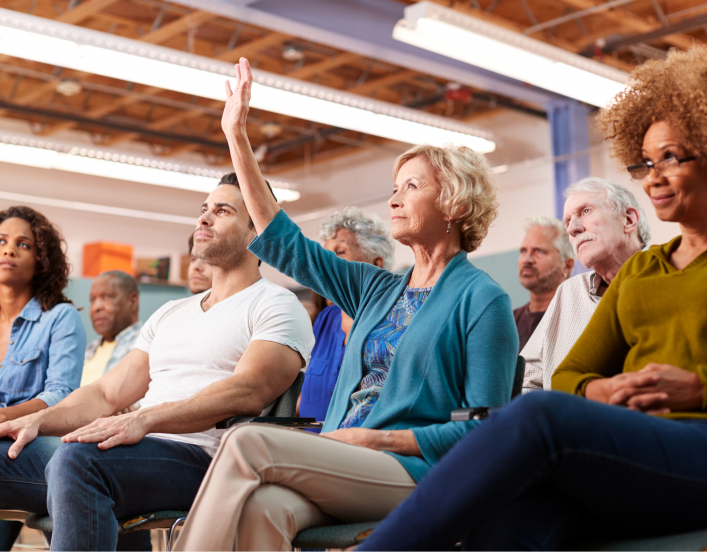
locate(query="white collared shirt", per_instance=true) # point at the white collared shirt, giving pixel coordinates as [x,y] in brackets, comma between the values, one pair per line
[565,319]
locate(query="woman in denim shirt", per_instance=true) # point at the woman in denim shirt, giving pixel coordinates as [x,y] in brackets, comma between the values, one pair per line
[42,339]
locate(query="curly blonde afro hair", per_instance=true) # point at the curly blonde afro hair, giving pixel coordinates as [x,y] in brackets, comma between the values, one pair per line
[673,90]
[468,185]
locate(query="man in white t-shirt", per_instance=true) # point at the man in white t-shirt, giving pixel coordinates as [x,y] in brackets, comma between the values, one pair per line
[228,351]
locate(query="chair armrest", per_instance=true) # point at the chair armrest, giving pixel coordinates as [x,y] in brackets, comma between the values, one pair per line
[287,422]
[466,414]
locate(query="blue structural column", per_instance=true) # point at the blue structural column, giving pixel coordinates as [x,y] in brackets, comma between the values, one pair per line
[570,134]
[569,129]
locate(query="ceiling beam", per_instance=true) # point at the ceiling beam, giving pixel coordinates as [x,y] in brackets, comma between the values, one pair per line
[253,47]
[383,82]
[35,92]
[165,122]
[660,32]
[632,22]
[99,111]
[164,33]
[364,27]
[519,28]
[178,26]
[111,125]
[84,11]
[326,64]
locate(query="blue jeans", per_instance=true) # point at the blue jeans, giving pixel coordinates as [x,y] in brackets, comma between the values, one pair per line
[549,468]
[22,484]
[86,490]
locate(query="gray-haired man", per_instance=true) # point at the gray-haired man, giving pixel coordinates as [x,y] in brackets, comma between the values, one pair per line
[606,225]
[546,260]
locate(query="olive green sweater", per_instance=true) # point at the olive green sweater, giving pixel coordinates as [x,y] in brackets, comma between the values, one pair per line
[651,312]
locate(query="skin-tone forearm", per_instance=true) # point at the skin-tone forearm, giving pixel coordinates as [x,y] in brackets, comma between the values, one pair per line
[260,203]
[399,441]
[220,400]
[23,409]
[253,385]
[80,408]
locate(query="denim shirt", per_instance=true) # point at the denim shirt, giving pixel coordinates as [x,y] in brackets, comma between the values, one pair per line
[44,357]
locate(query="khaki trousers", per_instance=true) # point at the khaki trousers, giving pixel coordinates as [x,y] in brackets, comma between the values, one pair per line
[267,483]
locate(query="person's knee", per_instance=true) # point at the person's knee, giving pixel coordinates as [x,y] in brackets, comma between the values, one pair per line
[69,461]
[533,406]
[541,412]
[249,441]
[265,503]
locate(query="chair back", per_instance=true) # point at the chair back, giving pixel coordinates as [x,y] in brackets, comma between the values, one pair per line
[518,377]
[286,404]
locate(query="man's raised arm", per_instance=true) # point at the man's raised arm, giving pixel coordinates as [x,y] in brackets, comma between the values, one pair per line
[263,373]
[126,383]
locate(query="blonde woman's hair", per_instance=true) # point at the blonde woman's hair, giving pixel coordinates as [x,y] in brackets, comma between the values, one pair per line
[469,188]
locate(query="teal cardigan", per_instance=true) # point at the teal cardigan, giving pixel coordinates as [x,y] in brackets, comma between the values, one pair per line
[460,349]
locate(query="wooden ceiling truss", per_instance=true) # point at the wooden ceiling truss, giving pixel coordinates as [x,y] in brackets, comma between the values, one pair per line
[618,32]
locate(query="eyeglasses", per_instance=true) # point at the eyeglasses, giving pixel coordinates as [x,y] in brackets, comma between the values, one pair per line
[666,167]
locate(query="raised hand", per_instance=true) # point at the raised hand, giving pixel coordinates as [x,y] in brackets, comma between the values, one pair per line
[235,112]
[126,429]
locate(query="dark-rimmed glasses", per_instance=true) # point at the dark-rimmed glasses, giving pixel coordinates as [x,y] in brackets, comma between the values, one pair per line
[666,167]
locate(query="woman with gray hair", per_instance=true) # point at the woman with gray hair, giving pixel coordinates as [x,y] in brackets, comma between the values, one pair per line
[422,344]
[354,235]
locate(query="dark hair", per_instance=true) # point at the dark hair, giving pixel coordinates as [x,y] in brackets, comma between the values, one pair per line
[191,242]
[51,274]
[125,282]
[232,179]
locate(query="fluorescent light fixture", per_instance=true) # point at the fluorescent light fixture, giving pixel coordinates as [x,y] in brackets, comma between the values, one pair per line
[33,152]
[469,39]
[34,38]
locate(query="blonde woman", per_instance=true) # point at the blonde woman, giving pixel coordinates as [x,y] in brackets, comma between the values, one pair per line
[440,337]
[622,449]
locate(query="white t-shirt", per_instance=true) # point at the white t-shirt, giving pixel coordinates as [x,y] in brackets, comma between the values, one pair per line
[190,349]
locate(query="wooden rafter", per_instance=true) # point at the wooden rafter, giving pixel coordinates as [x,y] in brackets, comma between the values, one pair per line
[164,123]
[327,64]
[178,26]
[36,92]
[253,47]
[383,82]
[162,34]
[84,10]
[633,22]
[519,28]
[100,110]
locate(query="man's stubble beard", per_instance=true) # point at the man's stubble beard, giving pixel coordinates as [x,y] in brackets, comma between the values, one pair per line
[222,254]
[546,282]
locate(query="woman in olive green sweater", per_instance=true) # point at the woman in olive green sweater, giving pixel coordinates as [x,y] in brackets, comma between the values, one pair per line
[551,467]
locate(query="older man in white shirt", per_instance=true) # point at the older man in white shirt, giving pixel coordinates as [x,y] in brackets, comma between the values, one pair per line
[606,225]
